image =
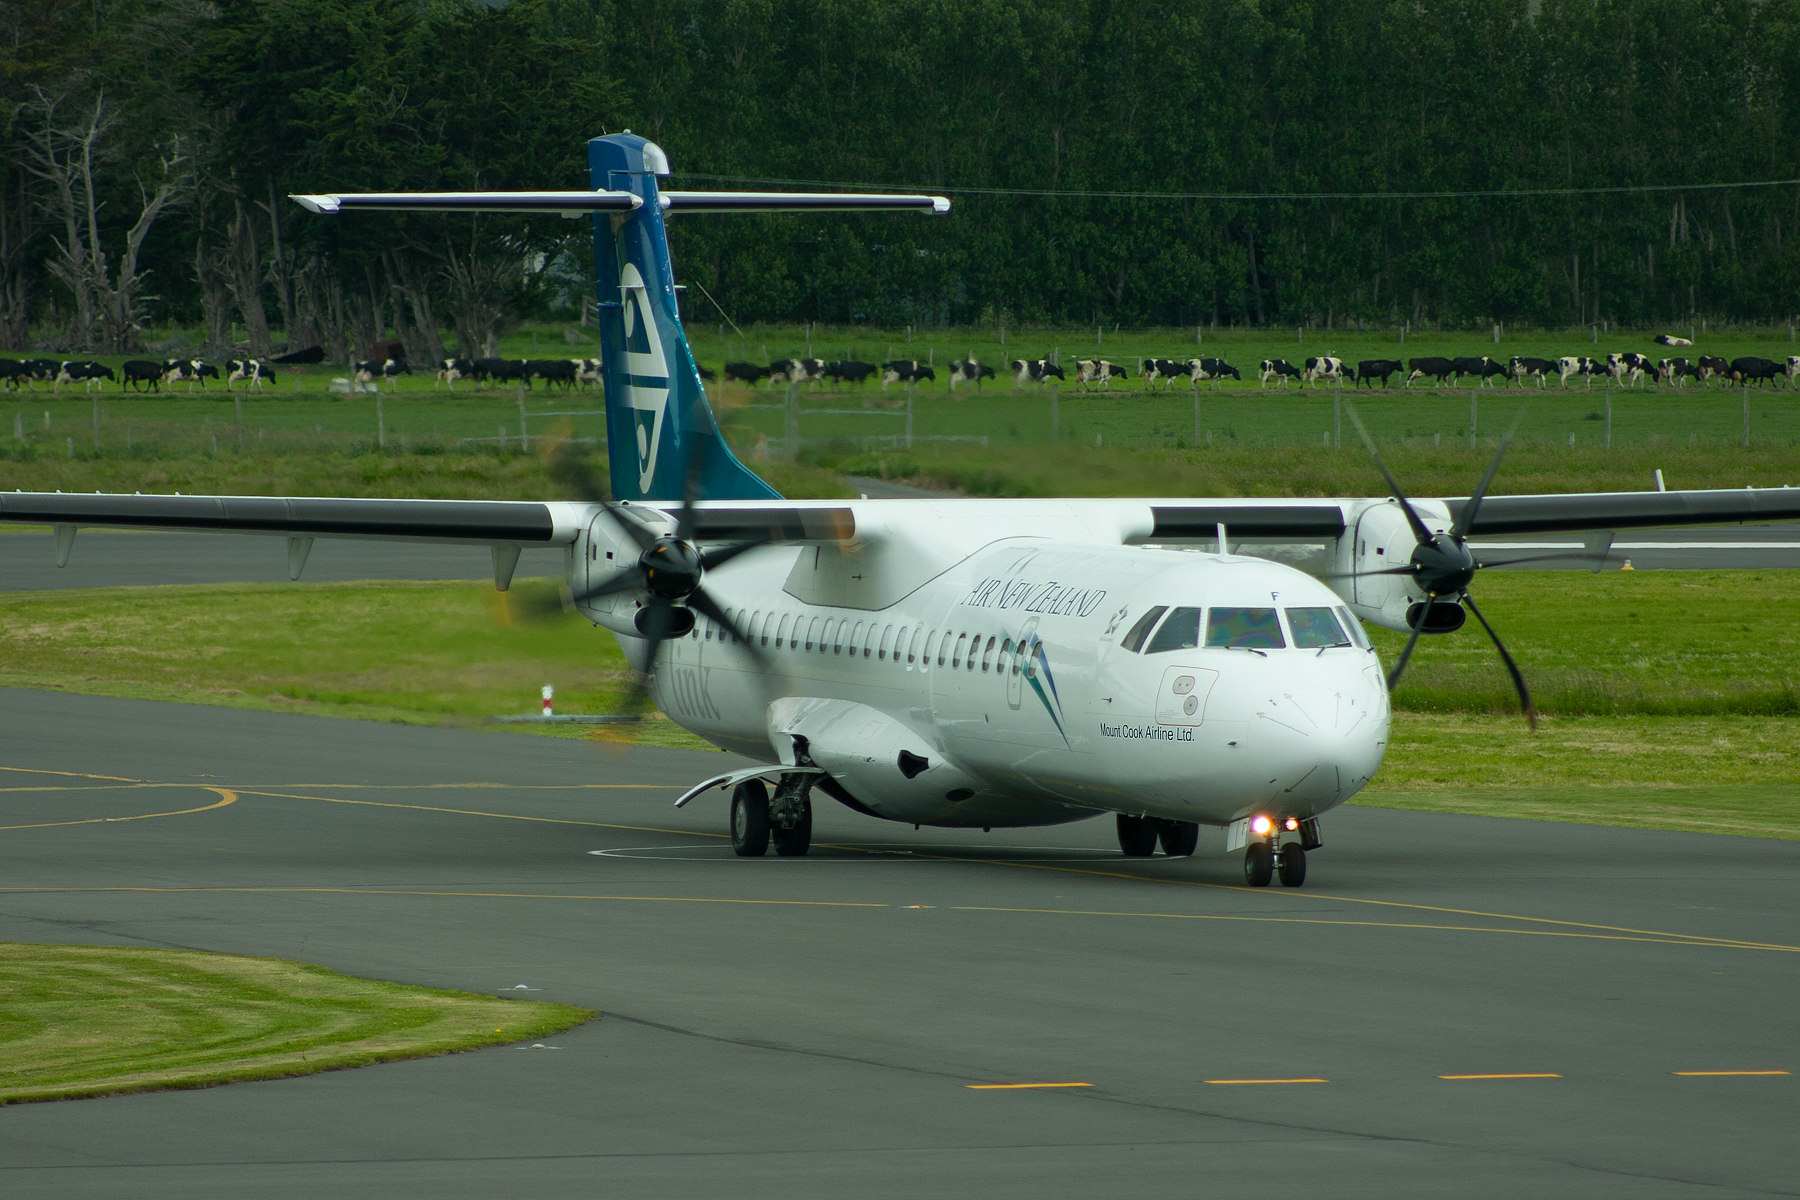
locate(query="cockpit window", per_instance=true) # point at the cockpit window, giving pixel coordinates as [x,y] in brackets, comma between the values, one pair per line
[1243,629]
[1135,636]
[1354,626]
[1316,627]
[1180,632]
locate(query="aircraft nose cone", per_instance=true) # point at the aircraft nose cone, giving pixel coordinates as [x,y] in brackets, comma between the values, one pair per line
[1323,743]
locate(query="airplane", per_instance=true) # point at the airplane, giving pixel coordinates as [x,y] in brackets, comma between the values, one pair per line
[962,663]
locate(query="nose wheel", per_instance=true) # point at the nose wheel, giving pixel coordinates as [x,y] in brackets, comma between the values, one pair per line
[1262,863]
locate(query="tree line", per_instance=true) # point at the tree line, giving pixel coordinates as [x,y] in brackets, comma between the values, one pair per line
[1186,162]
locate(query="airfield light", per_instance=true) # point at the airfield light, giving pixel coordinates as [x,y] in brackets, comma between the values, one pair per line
[1261,825]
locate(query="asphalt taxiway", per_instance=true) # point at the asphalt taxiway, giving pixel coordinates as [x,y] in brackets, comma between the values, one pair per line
[1452,1006]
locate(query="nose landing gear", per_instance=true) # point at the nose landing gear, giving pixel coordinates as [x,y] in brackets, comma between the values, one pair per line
[1262,862]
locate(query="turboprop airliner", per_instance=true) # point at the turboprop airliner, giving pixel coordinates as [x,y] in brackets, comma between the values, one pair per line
[953,663]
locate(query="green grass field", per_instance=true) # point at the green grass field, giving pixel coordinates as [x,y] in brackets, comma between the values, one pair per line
[103,1020]
[1657,711]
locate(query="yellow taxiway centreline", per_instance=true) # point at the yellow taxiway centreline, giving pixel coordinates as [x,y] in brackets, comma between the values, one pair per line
[1523,1075]
[1224,1081]
[1008,1087]
[344,891]
[227,797]
[1691,1073]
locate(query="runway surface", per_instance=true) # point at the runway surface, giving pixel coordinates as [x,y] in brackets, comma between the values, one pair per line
[820,1026]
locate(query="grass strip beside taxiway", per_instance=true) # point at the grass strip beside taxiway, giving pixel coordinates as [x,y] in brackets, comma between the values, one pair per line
[81,1021]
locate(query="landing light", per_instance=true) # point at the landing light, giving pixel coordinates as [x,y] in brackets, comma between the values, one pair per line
[1261,825]
[1291,824]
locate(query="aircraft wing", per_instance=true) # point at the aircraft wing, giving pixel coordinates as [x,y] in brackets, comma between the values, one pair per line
[1630,510]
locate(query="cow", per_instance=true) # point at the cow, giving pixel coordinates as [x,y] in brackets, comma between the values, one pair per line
[745,372]
[1210,370]
[39,370]
[849,370]
[1034,370]
[1536,368]
[90,373]
[1320,369]
[1576,365]
[1483,368]
[905,371]
[1793,369]
[551,371]
[1436,369]
[1165,369]
[1371,369]
[1713,367]
[139,371]
[1663,339]
[807,370]
[1757,370]
[969,370]
[1628,368]
[250,370]
[587,372]
[452,369]
[706,373]
[391,368]
[189,371]
[1674,370]
[1097,373]
[501,370]
[12,372]
[1276,368]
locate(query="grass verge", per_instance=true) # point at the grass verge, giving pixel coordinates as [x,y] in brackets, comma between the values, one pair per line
[103,1020]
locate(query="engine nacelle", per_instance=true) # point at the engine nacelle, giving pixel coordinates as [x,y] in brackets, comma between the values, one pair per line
[1380,539]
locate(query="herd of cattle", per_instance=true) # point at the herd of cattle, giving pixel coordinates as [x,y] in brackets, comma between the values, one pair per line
[1626,369]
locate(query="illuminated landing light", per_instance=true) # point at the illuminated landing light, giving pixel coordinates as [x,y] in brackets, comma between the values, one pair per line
[1261,825]
[1291,824]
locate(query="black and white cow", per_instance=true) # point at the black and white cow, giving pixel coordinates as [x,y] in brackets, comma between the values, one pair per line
[1483,368]
[746,372]
[807,370]
[1034,370]
[969,370]
[250,370]
[1371,369]
[1320,369]
[1097,373]
[1663,339]
[906,370]
[1276,368]
[190,371]
[1793,369]
[1628,368]
[1210,370]
[587,372]
[1531,368]
[90,373]
[1435,369]
[1166,369]
[139,371]
[853,370]
[12,373]
[1673,370]
[34,371]
[1578,365]
[452,369]
[1713,368]
[391,368]
[1756,370]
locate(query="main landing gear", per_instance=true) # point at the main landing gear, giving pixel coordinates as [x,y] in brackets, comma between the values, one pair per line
[785,819]
[1138,836]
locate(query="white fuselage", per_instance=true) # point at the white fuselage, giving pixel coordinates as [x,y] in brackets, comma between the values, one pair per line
[986,681]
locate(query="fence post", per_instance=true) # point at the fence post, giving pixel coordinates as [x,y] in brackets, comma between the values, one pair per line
[524,442]
[380,425]
[1609,420]
[1055,416]
[793,422]
[96,426]
[909,418]
[237,399]
[1746,416]
[1473,395]
[1337,415]
[1196,418]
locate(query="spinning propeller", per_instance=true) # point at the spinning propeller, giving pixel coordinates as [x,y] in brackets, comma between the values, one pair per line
[1442,565]
[669,568]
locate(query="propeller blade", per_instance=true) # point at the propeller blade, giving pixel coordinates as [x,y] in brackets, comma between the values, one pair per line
[1365,574]
[1511,667]
[702,603]
[1412,518]
[623,581]
[690,488]
[1515,562]
[1400,663]
[724,554]
[571,470]
[1465,520]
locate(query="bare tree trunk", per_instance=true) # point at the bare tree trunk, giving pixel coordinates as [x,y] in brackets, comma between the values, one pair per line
[414,320]
[476,281]
[281,275]
[215,301]
[244,276]
[368,315]
[16,279]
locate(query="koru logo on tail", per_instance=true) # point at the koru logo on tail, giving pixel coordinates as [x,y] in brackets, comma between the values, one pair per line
[646,372]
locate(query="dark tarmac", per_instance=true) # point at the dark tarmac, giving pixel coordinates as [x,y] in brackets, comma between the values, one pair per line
[814,1027]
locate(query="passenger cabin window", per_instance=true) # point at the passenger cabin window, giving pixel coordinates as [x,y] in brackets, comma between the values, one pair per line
[1180,632]
[781,632]
[1316,627]
[1243,629]
[1134,637]
[913,644]
[987,655]
[812,627]
[956,655]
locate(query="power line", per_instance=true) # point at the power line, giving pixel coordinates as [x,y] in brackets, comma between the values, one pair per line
[1249,196]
